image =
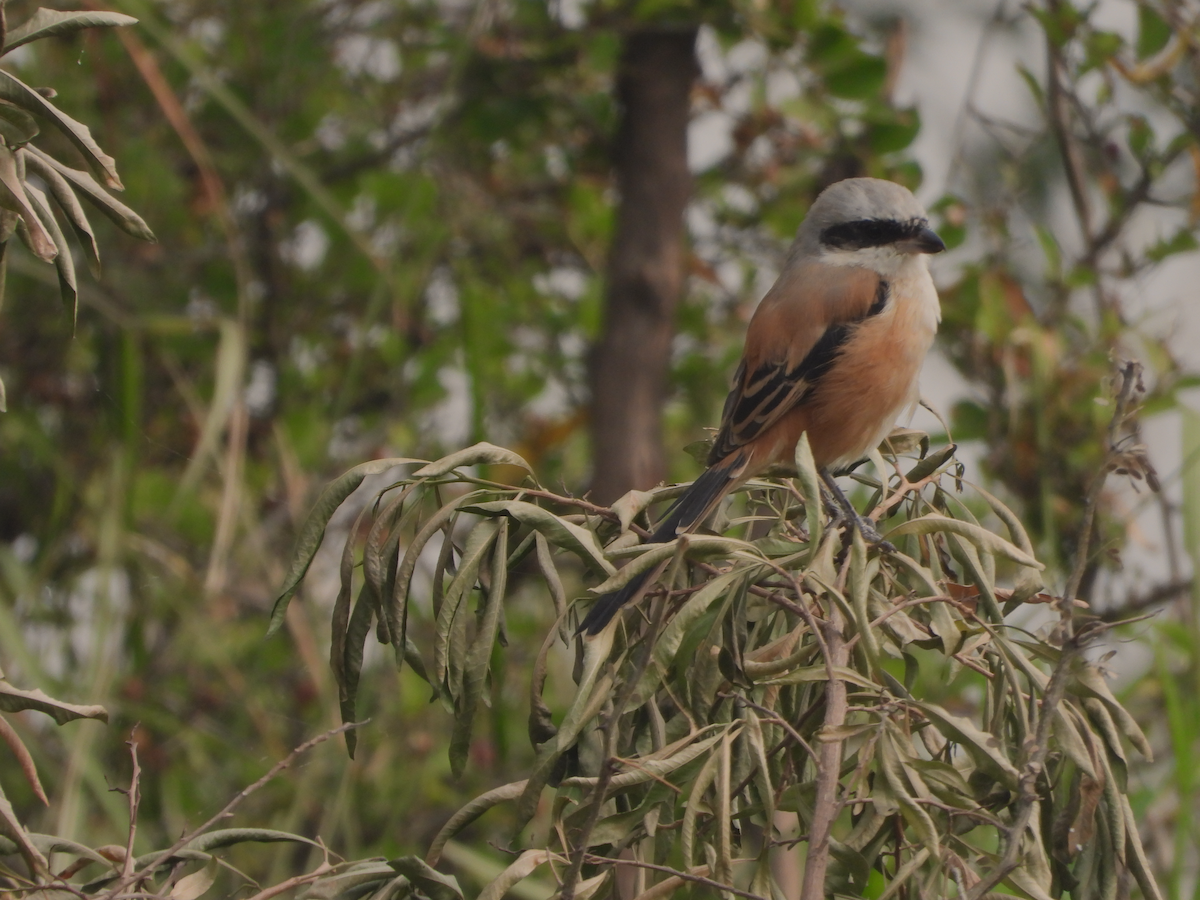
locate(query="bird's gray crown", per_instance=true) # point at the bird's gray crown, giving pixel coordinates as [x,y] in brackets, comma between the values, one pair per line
[861,212]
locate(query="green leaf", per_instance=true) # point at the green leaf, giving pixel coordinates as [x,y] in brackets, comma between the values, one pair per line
[87,186]
[446,663]
[432,883]
[860,78]
[476,667]
[17,126]
[1153,31]
[985,749]
[558,531]
[1183,241]
[313,530]
[469,813]
[229,837]
[11,828]
[357,630]
[20,94]
[481,453]
[981,537]
[520,869]
[51,22]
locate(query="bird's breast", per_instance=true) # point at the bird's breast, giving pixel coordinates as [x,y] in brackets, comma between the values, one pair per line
[873,380]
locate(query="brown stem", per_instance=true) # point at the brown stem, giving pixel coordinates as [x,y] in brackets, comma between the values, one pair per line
[829,766]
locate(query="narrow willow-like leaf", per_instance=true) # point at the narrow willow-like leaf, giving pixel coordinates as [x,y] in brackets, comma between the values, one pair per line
[383,541]
[17,92]
[724,812]
[520,869]
[17,127]
[892,767]
[1071,741]
[810,487]
[651,768]
[52,843]
[195,885]
[558,531]
[14,700]
[687,832]
[934,522]
[481,453]
[433,884]
[340,619]
[69,203]
[53,23]
[229,837]
[1135,853]
[11,828]
[1092,682]
[985,749]
[967,553]
[817,674]
[68,285]
[475,668]
[90,189]
[469,814]
[397,609]
[859,585]
[474,555]
[355,882]
[905,873]
[554,585]
[592,693]
[753,735]
[313,530]
[666,648]
[631,505]
[357,630]
[14,197]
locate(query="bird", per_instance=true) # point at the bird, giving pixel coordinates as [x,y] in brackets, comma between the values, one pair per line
[833,350]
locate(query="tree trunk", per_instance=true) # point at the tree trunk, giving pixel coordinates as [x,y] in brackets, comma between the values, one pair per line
[631,360]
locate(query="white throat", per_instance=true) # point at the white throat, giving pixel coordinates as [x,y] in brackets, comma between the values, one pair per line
[887,261]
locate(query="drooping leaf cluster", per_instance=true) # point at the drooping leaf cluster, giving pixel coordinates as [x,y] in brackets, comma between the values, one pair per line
[26,209]
[698,719]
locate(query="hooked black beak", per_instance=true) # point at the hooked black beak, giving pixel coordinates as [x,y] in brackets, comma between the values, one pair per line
[924,241]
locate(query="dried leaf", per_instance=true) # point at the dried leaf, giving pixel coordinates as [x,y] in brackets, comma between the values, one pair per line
[20,94]
[87,187]
[189,887]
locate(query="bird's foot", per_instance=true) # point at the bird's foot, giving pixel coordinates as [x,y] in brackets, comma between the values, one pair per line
[866,527]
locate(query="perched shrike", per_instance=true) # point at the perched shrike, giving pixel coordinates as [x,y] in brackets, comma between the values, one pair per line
[833,350]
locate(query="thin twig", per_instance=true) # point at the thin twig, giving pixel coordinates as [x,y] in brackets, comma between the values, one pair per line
[135,800]
[127,880]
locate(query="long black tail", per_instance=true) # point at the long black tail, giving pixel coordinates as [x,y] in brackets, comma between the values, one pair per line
[692,508]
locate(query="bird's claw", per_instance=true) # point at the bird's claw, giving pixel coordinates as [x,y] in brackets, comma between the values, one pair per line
[871,535]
